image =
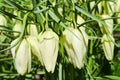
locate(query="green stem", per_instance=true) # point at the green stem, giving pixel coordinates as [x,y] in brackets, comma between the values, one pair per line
[6,59]
[46,15]
[46,26]
[105,3]
[73,14]
[60,71]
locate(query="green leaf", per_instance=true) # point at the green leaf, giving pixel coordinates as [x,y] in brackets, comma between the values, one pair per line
[94,18]
[88,14]
[53,16]
[39,4]
[39,11]
[13,4]
[113,77]
[10,14]
[2,4]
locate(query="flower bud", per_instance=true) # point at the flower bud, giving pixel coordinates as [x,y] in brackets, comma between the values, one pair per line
[76,43]
[49,45]
[3,20]
[108,46]
[32,30]
[33,41]
[22,56]
[17,27]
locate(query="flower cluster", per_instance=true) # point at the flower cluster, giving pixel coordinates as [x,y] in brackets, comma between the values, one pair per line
[45,45]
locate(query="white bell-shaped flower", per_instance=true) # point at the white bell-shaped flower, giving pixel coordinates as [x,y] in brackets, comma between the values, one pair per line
[76,43]
[108,46]
[49,45]
[34,43]
[22,56]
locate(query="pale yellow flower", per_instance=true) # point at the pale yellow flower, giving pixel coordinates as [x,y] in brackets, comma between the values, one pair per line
[34,43]
[22,56]
[76,43]
[49,45]
[108,46]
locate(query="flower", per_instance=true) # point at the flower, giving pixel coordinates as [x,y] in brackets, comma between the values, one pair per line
[17,27]
[22,56]
[108,46]
[32,30]
[33,41]
[49,45]
[76,43]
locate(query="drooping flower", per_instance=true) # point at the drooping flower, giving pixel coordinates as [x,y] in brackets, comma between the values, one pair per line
[49,45]
[22,56]
[76,43]
[34,43]
[108,46]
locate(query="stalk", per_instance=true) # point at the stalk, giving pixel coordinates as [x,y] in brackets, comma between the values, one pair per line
[73,14]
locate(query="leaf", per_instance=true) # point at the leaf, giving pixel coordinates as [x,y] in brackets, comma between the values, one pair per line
[15,5]
[39,4]
[53,16]
[94,18]
[39,11]
[113,77]
[2,4]
[88,14]
[10,15]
